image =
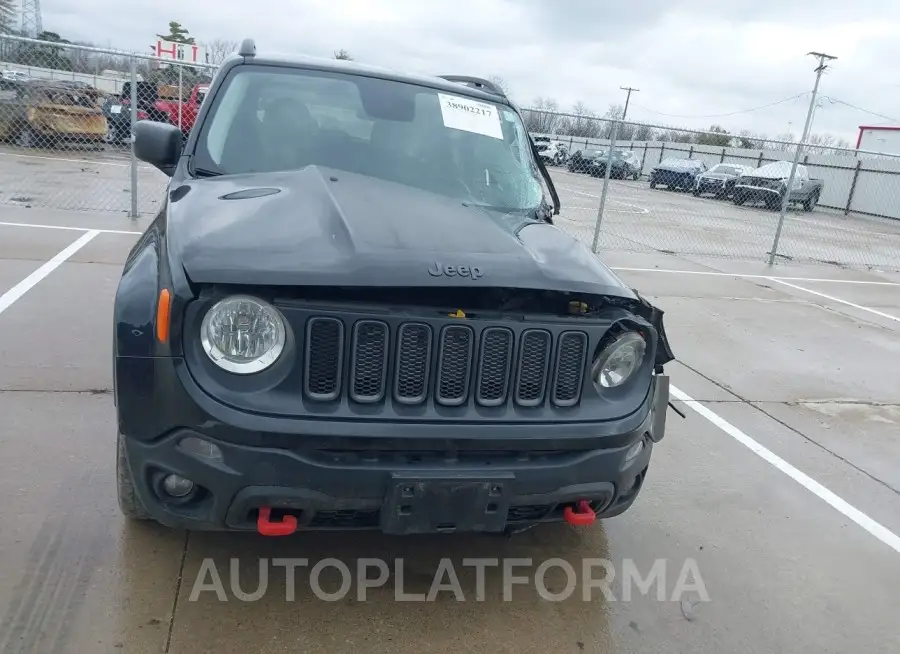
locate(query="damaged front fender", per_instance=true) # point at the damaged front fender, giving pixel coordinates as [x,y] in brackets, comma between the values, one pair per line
[654,315]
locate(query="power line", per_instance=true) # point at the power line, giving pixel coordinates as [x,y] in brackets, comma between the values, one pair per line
[732,113]
[865,111]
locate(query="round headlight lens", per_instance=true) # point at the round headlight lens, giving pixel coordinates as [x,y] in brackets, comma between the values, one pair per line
[243,334]
[619,361]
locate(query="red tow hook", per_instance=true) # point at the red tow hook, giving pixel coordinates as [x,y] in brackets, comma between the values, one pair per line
[584,517]
[266,527]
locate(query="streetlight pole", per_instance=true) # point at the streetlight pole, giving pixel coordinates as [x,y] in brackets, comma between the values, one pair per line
[609,158]
[785,202]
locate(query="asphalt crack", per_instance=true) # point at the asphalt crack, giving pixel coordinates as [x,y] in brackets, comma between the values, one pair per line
[174,613]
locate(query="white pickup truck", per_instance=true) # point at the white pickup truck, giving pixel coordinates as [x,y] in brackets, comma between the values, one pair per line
[768,184]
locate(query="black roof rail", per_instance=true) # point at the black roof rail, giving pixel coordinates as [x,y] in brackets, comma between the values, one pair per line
[248,48]
[475,82]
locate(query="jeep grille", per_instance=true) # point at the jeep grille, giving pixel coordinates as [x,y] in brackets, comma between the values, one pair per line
[452,365]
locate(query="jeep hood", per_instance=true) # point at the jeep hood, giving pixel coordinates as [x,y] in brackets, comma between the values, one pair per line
[326,227]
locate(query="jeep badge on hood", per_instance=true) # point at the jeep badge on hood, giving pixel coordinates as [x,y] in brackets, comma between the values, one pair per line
[436,270]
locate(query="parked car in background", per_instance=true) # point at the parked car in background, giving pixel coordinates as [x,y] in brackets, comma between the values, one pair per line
[551,151]
[677,173]
[15,76]
[190,107]
[768,184]
[720,179]
[42,114]
[581,160]
[625,164]
[117,109]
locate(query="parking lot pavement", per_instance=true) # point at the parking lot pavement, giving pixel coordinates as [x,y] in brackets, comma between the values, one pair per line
[776,500]
[640,219]
[76,180]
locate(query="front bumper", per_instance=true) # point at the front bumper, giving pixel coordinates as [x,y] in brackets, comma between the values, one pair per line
[751,194]
[672,180]
[705,186]
[344,484]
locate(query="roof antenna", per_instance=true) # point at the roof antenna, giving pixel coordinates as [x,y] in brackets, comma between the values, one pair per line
[248,48]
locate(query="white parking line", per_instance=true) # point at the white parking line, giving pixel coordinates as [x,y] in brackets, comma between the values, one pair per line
[80,161]
[714,273]
[878,530]
[20,289]
[71,229]
[836,299]
[638,209]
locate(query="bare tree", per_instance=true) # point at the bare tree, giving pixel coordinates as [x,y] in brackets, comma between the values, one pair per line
[613,113]
[497,80]
[543,117]
[582,123]
[218,49]
[643,133]
[747,140]
[717,136]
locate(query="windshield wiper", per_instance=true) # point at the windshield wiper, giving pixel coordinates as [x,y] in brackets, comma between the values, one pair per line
[542,212]
[203,172]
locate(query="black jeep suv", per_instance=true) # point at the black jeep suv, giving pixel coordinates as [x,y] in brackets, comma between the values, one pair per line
[353,310]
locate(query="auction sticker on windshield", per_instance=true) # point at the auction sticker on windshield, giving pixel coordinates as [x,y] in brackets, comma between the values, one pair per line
[470,116]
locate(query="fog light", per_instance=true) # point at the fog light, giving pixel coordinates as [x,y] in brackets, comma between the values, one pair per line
[177,486]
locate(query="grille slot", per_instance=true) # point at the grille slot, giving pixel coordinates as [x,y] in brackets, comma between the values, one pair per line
[571,350]
[494,363]
[534,357]
[413,363]
[454,365]
[368,369]
[324,358]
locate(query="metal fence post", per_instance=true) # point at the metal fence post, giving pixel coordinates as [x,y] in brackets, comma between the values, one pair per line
[609,158]
[853,186]
[180,93]
[134,109]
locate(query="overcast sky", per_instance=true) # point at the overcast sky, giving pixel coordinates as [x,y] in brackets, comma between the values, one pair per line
[689,58]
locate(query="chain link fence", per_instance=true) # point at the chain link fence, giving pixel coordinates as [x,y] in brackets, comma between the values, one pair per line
[67,112]
[712,194]
[66,116]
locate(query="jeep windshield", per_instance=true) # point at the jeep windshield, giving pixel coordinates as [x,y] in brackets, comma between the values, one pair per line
[280,119]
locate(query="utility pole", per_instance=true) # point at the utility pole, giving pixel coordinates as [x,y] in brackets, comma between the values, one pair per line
[627,99]
[609,158]
[785,202]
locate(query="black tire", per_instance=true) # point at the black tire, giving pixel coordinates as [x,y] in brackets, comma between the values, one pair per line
[129,503]
[810,203]
[652,183]
[739,198]
[637,175]
[696,192]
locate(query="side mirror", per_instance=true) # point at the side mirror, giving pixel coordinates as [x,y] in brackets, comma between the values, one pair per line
[159,144]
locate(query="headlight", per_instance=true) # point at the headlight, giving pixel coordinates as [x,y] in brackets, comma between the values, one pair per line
[619,361]
[243,334]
